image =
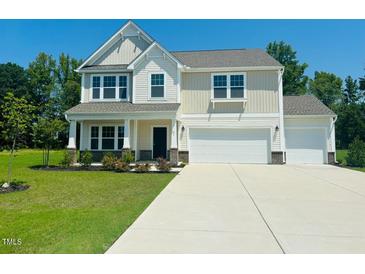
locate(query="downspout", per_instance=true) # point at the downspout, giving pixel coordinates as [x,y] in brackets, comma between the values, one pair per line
[281,114]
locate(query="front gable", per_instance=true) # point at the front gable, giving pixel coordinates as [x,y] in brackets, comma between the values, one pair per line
[122,48]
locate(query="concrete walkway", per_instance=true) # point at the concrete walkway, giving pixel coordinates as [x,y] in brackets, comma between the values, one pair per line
[253,209]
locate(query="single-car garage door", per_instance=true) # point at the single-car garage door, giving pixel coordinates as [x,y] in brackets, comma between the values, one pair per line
[305,146]
[225,145]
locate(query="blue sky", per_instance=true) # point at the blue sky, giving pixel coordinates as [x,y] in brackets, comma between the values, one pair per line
[336,46]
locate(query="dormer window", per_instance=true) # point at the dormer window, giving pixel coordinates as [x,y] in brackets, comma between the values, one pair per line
[110,87]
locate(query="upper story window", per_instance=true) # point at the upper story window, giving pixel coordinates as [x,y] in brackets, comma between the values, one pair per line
[123,87]
[96,87]
[110,84]
[220,86]
[237,86]
[110,87]
[157,85]
[226,86]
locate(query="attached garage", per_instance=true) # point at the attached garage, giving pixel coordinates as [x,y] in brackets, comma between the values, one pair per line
[226,145]
[306,145]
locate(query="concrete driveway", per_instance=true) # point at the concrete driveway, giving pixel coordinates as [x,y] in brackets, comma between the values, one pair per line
[253,209]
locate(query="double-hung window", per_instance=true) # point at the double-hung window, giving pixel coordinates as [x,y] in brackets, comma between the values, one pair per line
[110,87]
[237,86]
[220,86]
[227,86]
[120,137]
[108,136]
[96,87]
[94,143]
[123,87]
[157,85]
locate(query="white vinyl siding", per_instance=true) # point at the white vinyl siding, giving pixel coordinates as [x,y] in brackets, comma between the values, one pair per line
[155,62]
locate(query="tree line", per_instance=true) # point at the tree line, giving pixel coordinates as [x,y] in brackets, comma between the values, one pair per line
[48,87]
[345,97]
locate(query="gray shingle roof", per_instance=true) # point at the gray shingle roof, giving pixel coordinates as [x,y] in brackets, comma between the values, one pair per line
[305,105]
[104,67]
[121,107]
[225,58]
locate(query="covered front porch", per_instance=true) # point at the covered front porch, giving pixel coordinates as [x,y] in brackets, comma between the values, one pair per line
[146,139]
[149,131]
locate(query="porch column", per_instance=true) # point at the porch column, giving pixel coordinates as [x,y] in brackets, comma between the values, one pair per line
[126,144]
[173,147]
[135,140]
[71,147]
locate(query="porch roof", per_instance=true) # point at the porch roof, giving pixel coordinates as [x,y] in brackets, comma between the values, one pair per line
[121,107]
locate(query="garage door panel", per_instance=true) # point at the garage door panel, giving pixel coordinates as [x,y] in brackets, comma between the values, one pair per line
[229,145]
[305,146]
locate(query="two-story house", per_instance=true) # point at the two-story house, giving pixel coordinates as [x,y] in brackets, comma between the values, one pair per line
[209,106]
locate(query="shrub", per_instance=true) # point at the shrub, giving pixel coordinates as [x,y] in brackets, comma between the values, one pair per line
[121,166]
[356,153]
[67,159]
[128,157]
[142,168]
[108,161]
[163,165]
[86,158]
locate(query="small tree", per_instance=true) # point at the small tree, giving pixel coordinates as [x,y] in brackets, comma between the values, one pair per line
[17,114]
[356,153]
[45,134]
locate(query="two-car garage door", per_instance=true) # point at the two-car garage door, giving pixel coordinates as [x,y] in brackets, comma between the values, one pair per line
[225,145]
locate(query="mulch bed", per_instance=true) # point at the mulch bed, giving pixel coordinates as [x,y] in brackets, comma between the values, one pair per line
[58,168]
[13,188]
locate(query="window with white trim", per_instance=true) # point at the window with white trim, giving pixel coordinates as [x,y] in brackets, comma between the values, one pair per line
[226,86]
[94,138]
[108,136]
[157,85]
[220,86]
[237,86]
[110,87]
[120,137]
[96,87]
[123,87]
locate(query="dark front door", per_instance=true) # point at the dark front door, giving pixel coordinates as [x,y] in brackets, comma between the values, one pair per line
[159,142]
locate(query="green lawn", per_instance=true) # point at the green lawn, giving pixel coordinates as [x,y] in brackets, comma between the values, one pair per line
[71,211]
[341,155]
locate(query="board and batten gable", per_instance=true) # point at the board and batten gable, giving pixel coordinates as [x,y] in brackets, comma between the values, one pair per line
[124,51]
[262,94]
[87,93]
[155,62]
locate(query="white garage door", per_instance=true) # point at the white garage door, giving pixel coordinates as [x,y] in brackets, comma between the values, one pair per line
[229,145]
[305,146]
